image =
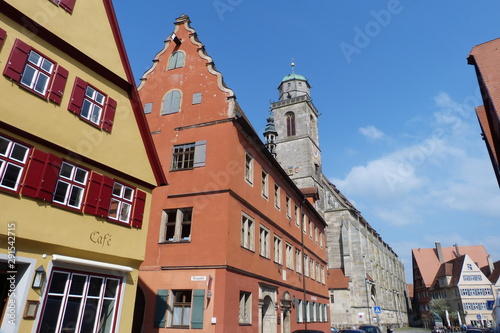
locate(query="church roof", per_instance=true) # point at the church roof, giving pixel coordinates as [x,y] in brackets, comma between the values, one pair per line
[293,76]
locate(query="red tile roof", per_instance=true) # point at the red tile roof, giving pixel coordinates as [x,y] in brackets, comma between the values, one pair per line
[428,262]
[337,279]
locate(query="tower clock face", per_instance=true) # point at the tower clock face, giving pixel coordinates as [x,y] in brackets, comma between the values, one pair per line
[316,152]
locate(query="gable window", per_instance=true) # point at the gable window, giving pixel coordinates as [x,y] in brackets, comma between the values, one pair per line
[171,102]
[181,308]
[81,302]
[290,124]
[245,313]
[197,98]
[70,186]
[249,168]
[247,232]
[176,60]
[35,72]
[265,185]
[121,203]
[189,155]
[264,242]
[176,225]
[278,250]
[92,105]
[13,158]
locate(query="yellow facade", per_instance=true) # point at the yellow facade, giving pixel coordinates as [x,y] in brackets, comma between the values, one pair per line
[70,244]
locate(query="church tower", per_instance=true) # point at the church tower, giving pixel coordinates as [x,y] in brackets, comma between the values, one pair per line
[296,122]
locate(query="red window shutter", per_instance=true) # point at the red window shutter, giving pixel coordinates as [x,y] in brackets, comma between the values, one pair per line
[105,196]
[17,60]
[109,115]
[57,90]
[49,178]
[68,5]
[139,205]
[93,194]
[34,173]
[77,96]
[3,34]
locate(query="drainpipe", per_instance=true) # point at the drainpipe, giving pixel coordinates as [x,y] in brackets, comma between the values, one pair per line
[303,263]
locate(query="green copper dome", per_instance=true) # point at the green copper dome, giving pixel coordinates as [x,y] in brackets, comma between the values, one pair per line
[293,76]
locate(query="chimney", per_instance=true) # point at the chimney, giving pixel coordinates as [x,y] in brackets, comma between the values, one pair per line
[457,250]
[439,252]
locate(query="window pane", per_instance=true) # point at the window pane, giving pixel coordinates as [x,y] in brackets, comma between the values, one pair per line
[95,286]
[177,320]
[96,114]
[4,145]
[85,109]
[89,92]
[41,83]
[75,197]
[81,176]
[117,189]
[129,193]
[18,153]
[99,98]
[51,313]
[34,58]
[58,283]
[11,176]
[111,287]
[186,317]
[61,191]
[125,212]
[106,316]
[71,314]
[89,315]
[113,208]
[28,76]
[47,65]
[66,170]
[77,284]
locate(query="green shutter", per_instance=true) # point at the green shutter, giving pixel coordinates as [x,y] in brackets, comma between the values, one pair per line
[297,309]
[200,152]
[198,308]
[161,308]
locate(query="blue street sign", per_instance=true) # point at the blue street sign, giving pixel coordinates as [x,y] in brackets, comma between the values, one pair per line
[479,317]
[377,309]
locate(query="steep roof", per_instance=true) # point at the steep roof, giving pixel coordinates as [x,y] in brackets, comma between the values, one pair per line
[429,264]
[337,279]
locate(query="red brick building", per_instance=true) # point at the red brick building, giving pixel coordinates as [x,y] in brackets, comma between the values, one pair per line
[233,244]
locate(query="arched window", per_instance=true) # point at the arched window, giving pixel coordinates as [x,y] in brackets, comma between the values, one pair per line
[290,124]
[171,102]
[176,60]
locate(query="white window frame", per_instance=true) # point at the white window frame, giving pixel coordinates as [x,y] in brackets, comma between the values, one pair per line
[297,216]
[288,204]
[71,185]
[10,161]
[85,295]
[247,232]
[38,70]
[265,184]
[245,309]
[123,197]
[278,250]
[298,261]
[180,305]
[306,265]
[264,246]
[277,196]
[249,170]
[289,256]
[93,105]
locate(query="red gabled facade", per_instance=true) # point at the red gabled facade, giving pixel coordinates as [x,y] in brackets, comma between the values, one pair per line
[233,244]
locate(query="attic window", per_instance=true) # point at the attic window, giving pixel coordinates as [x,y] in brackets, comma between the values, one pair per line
[176,60]
[176,39]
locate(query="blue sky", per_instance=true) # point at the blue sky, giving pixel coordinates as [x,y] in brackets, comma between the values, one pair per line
[398,132]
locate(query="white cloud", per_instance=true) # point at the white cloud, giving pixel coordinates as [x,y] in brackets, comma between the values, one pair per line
[371,132]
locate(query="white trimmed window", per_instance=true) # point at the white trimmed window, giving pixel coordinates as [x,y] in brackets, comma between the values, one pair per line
[298,260]
[121,203]
[297,216]
[247,232]
[249,168]
[277,196]
[71,186]
[278,250]
[264,247]
[13,158]
[313,275]
[306,265]
[288,205]
[289,256]
[80,302]
[265,184]
[92,106]
[181,308]
[304,223]
[245,313]
[37,73]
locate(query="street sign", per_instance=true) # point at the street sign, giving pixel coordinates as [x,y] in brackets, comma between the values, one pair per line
[479,317]
[377,309]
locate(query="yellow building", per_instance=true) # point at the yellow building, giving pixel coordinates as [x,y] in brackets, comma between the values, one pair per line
[77,169]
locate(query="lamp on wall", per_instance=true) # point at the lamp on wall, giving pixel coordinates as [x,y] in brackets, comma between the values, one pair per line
[39,277]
